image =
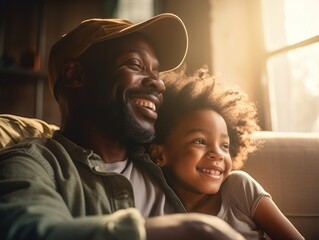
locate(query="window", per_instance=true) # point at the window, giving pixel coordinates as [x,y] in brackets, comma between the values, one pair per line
[135,11]
[291,33]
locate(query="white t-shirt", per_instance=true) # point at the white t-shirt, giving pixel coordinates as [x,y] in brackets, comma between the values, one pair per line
[148,196]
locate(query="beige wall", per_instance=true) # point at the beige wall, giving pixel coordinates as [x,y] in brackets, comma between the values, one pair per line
[197,18]
[237,48]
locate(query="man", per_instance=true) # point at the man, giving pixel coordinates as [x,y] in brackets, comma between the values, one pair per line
[92,180]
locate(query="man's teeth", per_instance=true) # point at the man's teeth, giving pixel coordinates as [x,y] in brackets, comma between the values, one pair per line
[210,171]
[146,104]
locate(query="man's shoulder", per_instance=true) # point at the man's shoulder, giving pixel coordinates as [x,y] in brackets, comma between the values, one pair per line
[35,148]
[29,158]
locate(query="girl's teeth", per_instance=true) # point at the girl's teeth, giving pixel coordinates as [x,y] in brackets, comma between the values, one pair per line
[211,171]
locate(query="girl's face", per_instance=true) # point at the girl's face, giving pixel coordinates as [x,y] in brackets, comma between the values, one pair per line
[195,157]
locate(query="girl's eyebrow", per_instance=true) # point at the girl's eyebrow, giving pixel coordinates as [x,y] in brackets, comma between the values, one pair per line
[201,130]
[193,130]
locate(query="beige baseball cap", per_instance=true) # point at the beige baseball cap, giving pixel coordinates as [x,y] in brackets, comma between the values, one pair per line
[165,31]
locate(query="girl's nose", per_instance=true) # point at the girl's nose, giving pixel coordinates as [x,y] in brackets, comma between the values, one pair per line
[215,155]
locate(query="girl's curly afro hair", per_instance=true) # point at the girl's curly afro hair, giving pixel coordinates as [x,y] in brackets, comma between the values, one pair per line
[185,94]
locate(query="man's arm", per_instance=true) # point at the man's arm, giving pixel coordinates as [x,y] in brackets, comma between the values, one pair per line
[32,208]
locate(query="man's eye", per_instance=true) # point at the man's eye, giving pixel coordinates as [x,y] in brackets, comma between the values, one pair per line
[135,64]
[199,141]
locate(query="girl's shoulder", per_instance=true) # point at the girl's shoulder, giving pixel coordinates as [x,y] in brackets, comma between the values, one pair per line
[242,191]
[239,179]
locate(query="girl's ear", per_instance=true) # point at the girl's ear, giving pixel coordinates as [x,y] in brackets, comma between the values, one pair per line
[73,74]
[157,155]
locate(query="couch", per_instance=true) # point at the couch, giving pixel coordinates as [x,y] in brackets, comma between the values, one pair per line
[287,166]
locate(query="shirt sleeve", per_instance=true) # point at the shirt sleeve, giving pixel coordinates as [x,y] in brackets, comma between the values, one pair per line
[32,208]
[244,192]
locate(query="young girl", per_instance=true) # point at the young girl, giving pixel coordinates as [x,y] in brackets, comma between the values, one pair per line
[203,135]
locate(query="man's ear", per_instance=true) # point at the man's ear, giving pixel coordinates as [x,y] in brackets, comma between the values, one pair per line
[73,74]
[157,154]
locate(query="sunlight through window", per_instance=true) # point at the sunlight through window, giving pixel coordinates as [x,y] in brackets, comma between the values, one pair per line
[136,11]
[292,41]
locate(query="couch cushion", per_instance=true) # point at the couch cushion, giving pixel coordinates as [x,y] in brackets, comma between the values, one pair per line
[287,167]
[14,129]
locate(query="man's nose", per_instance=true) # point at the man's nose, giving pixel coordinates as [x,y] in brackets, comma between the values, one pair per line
[154,82]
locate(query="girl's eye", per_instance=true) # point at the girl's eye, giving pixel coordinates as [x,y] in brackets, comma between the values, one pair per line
[225,146]
[199,141]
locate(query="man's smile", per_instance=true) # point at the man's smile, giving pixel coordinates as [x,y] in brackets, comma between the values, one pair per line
[146,103]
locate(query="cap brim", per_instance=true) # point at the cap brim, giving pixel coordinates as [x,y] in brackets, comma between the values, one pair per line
[168,35]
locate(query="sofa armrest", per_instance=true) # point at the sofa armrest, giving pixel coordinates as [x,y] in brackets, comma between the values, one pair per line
[14,129]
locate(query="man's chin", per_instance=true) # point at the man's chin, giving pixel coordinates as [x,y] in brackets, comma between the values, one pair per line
[137,130]
[140,135]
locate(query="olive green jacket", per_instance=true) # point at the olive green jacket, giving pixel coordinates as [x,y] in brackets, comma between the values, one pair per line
[53,189]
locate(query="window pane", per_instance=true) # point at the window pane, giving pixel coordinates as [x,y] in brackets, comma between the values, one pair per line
[135,11]
[294,89]
[289,21]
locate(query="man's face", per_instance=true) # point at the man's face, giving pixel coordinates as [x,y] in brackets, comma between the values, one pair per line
[127,89]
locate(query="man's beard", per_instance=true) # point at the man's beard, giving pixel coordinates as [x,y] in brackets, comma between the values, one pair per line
[134,132]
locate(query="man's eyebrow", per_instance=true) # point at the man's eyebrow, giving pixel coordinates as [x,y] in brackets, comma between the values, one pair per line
[138,51]
[143,54]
